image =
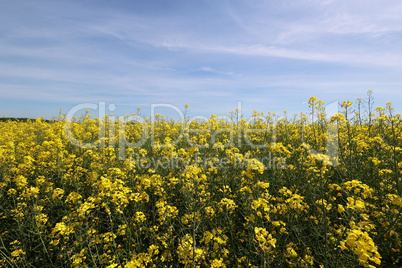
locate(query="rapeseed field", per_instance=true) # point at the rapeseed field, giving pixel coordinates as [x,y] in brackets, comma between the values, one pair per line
[274,191]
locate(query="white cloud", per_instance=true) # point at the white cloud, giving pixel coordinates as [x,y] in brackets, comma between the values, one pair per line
[83,51]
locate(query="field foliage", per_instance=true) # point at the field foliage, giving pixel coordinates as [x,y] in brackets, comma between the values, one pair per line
[222,192]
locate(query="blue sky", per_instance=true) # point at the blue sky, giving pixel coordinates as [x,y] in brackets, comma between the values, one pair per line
[268,55]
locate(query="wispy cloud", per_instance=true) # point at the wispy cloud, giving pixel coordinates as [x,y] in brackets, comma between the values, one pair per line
[206,53]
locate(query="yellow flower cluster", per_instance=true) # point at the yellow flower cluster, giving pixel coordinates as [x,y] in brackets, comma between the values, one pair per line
[363,246]
[265,240]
